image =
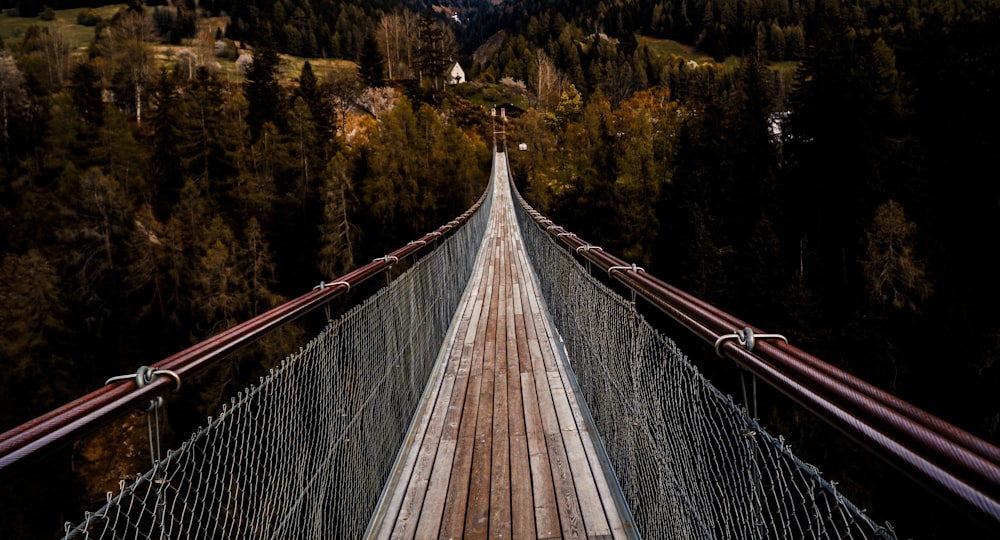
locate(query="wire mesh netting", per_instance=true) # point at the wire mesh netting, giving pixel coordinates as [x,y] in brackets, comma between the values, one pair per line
[690,462]
[306,452]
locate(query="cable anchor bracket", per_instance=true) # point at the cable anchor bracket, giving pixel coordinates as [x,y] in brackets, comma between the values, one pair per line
[633,268]
[323,285]
[746,338]
[145,375]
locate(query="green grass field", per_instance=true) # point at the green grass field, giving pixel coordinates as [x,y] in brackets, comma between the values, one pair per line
[79,36]
[665,47]
[12,30]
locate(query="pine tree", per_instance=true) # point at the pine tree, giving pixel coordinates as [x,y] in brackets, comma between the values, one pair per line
[432,56]
[165,161]
[371,63]
[31,322]
[322,112]
[262,89]
[308,85]
[205,148]
[85,90]
[302,145]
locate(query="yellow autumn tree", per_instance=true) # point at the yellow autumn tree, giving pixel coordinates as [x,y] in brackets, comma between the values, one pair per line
[893,272]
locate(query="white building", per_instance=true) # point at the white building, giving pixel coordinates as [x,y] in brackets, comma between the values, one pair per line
[456,74]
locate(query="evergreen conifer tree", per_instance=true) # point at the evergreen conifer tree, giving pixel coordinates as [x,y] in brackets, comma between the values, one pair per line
[431,57]
[262,89]
[371,63]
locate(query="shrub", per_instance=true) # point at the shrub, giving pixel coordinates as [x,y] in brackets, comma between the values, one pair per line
[225,48]
[492,94]
[47,14]
[88,18]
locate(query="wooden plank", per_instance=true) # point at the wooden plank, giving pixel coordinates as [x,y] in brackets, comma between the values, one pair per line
[465,361]
[562,478]
[515,349]
[567,509]
[595,521]
[395,515]
[590,441]
[522,499]
[420,478]
[535,312]
[500,489]
[436,491]
[478,508]
[550,424]
[522,334]
[440,476]
[453,517]
[543,490]
[570,520]
[545,333]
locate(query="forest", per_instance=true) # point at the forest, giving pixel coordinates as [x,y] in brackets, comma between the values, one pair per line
[149,203]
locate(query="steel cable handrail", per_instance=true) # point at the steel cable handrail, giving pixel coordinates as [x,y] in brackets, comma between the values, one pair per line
[72,420]
[933,452]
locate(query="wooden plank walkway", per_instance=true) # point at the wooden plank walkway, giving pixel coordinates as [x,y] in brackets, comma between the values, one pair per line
[500,447]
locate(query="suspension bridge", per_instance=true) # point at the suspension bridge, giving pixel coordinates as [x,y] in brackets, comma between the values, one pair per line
[498,388]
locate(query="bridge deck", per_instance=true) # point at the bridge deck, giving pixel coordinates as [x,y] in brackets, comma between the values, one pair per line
[501,447]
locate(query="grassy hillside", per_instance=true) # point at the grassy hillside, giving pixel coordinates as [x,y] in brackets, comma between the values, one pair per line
[664,48]
[12,28]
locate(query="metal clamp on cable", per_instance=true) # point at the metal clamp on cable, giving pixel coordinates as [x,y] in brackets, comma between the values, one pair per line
[323,285]
[391,259]
[746,338]
[553,226]
[419,242]
[633,268]
[145,375]
[566,234]
[588,247]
